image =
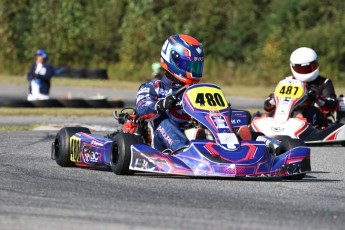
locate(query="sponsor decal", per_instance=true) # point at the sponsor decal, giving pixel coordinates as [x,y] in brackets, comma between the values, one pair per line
[235,121]
[97,143]
[214,113]
[144,90]
[91,156]
[165,135]
[142,163]
[140,97]
[277,129]
[228,139]
[198,58]
[219,122]
[163,93]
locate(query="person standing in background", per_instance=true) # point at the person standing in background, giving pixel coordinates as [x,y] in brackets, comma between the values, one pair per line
[157,71]
[39,77]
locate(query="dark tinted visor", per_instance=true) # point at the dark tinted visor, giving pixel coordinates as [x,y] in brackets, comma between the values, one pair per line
[195,67]
[305,68]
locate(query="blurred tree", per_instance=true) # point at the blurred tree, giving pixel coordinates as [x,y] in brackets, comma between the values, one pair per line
[251,40]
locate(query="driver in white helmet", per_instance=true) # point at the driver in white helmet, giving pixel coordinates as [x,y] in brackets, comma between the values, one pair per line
[321,99]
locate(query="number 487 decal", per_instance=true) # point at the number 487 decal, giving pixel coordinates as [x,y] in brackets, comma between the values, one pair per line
[289,91]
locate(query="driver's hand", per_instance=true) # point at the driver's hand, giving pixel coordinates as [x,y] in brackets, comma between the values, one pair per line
[167,103]
[312,96]
[313,93]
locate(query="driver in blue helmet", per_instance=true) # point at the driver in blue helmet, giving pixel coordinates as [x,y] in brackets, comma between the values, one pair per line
[39,77]
[182,58]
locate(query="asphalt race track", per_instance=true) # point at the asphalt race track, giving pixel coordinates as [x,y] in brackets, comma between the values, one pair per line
[36,193]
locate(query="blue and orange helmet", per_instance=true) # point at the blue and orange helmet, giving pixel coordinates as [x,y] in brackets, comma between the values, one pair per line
[183,57]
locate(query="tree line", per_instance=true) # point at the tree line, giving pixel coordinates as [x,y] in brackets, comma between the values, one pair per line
[245,41]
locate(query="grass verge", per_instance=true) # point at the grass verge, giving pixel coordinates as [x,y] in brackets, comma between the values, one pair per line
[234,90]
[18,127]
[55,112]
[66,112]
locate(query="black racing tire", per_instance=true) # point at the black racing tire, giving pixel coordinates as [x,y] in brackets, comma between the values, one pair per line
[50,103]
[74,103]
[96,74]
[98,103]
[77,73]
[121,152]
[61,145]
[287,144]
[116,103]
[16,103]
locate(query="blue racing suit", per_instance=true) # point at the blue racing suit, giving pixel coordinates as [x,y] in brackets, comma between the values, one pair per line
[43,77]
[168,125]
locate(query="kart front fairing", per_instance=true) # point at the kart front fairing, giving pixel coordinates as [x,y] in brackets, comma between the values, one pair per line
[207,158]
[224,156]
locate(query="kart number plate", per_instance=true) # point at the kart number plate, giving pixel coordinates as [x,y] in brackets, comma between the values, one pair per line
[289,90]
[207,98]
[75,149]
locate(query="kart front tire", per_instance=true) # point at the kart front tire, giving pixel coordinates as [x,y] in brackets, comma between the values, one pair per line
[61,145]
[121,152]
[286,145]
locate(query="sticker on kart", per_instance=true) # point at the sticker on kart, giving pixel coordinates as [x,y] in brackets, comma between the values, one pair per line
[207,98]
[288,89]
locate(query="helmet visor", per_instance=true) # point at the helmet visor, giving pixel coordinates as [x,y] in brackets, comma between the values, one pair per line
[195,67]
[305,68]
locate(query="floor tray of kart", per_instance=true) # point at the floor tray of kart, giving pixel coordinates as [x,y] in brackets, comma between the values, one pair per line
[220,152]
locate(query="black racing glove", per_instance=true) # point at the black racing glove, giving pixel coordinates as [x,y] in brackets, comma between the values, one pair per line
[167,103]
[313,93]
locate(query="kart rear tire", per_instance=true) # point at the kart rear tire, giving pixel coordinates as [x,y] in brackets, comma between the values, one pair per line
[120,157]
[286,145]
[61,145]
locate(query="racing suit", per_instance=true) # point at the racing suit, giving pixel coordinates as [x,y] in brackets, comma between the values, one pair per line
[169,124]
[321,99]
[39,81]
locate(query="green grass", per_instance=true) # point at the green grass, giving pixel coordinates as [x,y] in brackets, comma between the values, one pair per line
[6,79]
[55,112]
[18,127]
[63,112]
[238,90]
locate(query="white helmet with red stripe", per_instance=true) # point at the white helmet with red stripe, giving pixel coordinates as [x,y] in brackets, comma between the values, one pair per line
[183,57]
[304,64]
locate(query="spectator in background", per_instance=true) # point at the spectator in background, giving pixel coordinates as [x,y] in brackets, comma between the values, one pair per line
[39,77]
[157,71]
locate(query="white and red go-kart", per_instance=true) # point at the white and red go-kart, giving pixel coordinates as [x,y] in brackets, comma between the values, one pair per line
[288,94]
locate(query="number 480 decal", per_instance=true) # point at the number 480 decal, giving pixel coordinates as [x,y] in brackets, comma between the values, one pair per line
[211,99]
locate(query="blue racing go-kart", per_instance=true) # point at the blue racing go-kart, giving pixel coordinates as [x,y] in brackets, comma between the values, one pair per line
[215,148]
